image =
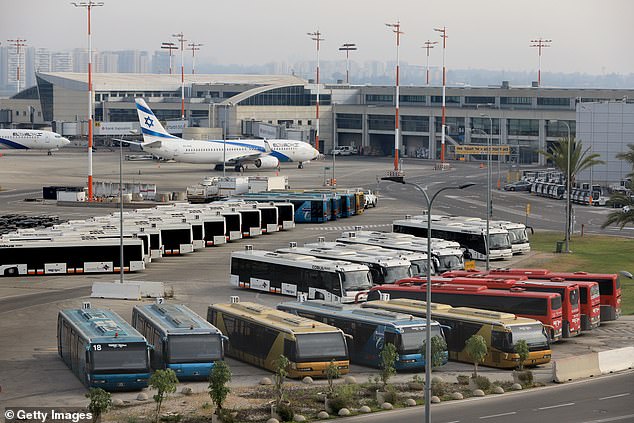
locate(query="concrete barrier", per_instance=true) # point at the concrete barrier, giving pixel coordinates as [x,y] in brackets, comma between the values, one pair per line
[616,360]
[571,368]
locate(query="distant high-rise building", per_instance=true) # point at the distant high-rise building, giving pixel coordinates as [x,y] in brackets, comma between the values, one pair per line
[62,62]
[80,60]
[133,61]
[161,62]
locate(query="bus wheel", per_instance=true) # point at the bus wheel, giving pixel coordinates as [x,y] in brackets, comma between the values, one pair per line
[11,271]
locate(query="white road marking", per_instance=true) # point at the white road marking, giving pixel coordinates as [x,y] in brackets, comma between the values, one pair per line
[611,419]
[557,406]
[498,415]
[614,396]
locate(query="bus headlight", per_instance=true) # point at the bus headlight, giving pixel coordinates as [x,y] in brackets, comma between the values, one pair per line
[305,369]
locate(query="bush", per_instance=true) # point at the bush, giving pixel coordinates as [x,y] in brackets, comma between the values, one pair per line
[226,416]
[438,389]
[462,379]
[525,377]
[337,403]
[483,383]
[285,411]
[391,395]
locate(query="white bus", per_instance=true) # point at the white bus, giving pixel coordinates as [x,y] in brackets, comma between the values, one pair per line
[471,237]
[417,260]
[383,269]
[295,274]
[445,255]
[69,255]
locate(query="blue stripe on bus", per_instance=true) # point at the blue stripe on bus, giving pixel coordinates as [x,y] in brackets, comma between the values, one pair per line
[13,144]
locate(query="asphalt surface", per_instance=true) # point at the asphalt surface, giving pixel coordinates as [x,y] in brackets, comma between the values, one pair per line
[31,372]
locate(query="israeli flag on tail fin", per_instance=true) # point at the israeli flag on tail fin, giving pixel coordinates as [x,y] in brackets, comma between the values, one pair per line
[151,127]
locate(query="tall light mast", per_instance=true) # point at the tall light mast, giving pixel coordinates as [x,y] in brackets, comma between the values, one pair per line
[170,47]
[348,47]
[89,5]
[396,28]
[428,46]
[181,39]
[18,43]
[540,44]
[316,36]
[194,48]
[443,35]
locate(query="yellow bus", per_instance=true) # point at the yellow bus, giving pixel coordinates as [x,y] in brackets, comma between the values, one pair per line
[259,335]
[501,331]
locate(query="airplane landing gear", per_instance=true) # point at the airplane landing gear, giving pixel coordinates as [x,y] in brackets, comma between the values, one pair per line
[300,165]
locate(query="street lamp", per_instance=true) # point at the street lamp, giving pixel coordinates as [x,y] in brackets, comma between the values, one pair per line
[499,182]
[121,141]
[489,205]
[428,286]
[567,231]
[224,139]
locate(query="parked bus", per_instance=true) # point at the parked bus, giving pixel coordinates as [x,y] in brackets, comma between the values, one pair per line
[517,231]
[609,286]
[501,331]
[571,314]
[102,349]
[382,269]
[370,330]
[309,208]
[445,255]
[589,297]
[543,306]
[69,255]
[181,340]
[259,335]
[294,274]
[418,261]
[470,237]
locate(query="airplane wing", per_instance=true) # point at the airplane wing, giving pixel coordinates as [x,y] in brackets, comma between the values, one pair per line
[155,144]
[247,158]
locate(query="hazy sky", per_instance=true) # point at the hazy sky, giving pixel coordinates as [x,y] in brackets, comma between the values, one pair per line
[589,36]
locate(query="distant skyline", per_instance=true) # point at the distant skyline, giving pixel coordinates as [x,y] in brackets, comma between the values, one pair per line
[587,36]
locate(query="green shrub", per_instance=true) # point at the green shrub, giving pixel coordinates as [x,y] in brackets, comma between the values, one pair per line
[525,377]
[226,416]
[337,403]
[483,383]
[438,389]
[462,379]
[391,395]
[285,411]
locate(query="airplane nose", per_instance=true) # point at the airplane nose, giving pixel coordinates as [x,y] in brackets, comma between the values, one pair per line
[65,141]
[315,153]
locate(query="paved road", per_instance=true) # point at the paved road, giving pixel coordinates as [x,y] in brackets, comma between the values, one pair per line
[607,399]
[30,370]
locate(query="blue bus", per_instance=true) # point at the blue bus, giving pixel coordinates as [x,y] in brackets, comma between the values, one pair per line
[309,207]
[102,349]
[181,340]
[369,330]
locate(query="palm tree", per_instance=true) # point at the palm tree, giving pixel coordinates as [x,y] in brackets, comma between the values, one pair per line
[580,160]
[625,215]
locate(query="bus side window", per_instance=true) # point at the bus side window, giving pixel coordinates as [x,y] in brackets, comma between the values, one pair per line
[289,349]
[390,338]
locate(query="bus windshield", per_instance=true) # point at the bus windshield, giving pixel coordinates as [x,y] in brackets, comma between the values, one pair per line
[358,280]
[555,303]
[412,339]
[119,357]
[518,236]
[450,262]
[594,291]
[574,298]
[194,348]
[419,267]
[321,347]
[533,334]
[395,273]
[499,241]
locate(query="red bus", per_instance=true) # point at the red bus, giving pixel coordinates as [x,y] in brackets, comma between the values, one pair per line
[609,286]
[571,314]
[589,298]
[543,306]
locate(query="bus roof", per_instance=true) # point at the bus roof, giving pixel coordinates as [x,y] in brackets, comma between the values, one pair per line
[338,253]
[300,260]
[417,307]
[175,319]
[269,316]
[100,325]
[355,313]
[458,289]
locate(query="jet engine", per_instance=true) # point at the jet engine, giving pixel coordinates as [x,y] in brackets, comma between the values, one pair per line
[267,162]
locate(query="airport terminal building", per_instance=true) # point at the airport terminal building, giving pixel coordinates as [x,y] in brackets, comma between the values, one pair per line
[272,106]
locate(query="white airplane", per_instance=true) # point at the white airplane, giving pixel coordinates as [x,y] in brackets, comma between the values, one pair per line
[31,139]
[265,154]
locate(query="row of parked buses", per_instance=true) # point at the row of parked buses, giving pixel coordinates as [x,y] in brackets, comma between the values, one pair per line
[94,245]
[105,351]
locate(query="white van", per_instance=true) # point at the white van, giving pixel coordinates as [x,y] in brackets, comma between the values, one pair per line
[345,150]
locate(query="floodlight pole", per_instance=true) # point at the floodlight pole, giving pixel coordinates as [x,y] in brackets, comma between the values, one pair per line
[194,47]
[316,36]
[169,47]
[348,47]
[568,186]
[443,35]
[396,28]
[428,46]
[540,44]
[181,38]
[428,358]
[89,5]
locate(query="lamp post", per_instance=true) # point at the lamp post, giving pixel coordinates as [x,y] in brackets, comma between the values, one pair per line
[489,208]
[348,47]
[121,267]
[316,36]
[181,39]
[567,232]
[428,46]
[169,47]
[428,360]
[224,139]
[499,181]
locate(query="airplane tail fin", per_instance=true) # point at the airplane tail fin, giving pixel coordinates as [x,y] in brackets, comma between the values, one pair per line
[150,125]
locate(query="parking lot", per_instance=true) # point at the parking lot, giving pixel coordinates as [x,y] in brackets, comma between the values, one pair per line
[31,372]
